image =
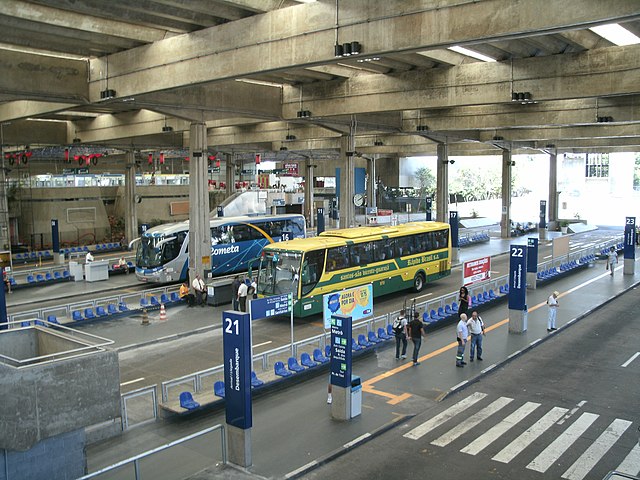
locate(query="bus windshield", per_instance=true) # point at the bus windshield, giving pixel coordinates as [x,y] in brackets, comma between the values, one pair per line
[156,251]
[279,273]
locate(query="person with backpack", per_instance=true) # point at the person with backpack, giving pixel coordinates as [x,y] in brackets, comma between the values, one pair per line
[400,331]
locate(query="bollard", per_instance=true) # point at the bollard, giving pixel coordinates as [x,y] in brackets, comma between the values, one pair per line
[145,317]
[163,313]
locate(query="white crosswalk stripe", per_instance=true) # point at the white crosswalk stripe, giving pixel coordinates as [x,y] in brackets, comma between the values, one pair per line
[597,450]
[509,452]
[557,432]
[484,440]
[471,422]
[560,445]
[442,417]
[631,464]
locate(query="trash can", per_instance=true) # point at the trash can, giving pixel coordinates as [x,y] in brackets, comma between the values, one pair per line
[356,396]
[219,292]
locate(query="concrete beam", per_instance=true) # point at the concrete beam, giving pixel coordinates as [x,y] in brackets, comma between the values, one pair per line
[21,109]
[37,77]
[261,44]
[34,132]
[598,73]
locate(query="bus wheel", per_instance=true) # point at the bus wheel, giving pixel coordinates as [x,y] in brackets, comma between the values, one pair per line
[418,282]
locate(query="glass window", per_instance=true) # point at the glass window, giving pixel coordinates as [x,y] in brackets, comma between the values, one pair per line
[279,273]
[312,267]
[361,254]
[337,258]
[597,165]
[381,251]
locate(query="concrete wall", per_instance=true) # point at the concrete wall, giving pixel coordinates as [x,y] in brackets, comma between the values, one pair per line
[47,400]
[20,344]
[56,458]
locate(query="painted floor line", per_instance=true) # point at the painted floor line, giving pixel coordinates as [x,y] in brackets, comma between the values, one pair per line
[633,357]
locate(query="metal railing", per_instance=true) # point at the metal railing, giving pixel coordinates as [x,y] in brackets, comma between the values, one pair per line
[136,459]
[131,413]
[65,312]
[90,343]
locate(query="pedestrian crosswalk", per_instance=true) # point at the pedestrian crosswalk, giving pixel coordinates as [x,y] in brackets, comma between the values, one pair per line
[584,441]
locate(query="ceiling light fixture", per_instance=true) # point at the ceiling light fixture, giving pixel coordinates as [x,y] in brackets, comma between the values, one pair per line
[616,34]
[472,53]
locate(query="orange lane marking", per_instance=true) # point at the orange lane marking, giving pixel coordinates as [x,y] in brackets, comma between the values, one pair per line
[367,386]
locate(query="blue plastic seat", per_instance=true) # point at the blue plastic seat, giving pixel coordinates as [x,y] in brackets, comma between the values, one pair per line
[39,323]
[25,324]
[373,338]
[74,250]
[454,307]
[502,289]
[112,309]
[100,311]
[32,255]
[492,294]
[85,249]
[65,274]
[123,307]
[175,297]
[354,346]
[255,381]
[12,281]
[293,365]
[362,341]
[278,369]
[48,276]
[154,301]
[88,313]
[57,275]
[39,278]
[164,298]
[18,256]
[30,279]
[318,357]
[433,315]
[98,248]
[390,330]
[77,316]
[425,318]
[53,319]
[187,401]
[218,389]
[144,302]
[441,312]
[382,334]
[476,300]
[447,310]
[327,351]
[305,360]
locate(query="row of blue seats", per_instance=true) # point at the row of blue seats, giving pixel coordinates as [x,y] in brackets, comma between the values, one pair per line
[605,251]
[89,314]
[305,362]
[165,299]
[451,311]
[47,277]
[565,267]
[51,319]
[475,238]
[187,401]
[33,255]
[105,247]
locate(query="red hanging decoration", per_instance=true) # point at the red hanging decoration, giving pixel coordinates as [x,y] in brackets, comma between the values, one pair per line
[87,159]
[161,158]
[66,155]
[150,160]
[186,159]
[258,158]
[218,162]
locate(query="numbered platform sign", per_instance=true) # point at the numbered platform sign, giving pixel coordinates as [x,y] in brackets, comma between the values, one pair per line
[518,277]
[236,338]
[630,238]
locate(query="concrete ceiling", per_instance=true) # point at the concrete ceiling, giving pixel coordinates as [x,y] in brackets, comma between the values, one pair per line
[248,67]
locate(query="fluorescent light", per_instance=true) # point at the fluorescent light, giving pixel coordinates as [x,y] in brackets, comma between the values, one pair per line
[616,34]
[259,82]
[472,53]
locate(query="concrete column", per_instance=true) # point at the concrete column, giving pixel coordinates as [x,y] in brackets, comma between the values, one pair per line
[371,182]
[230,173]
[442,183]
[239,446]
[131,216]
[347,186]
[199,229]
[553,189]
[505,223]
[341,403]
[309,208]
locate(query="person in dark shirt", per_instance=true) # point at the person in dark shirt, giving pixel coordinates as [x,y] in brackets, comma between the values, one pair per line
[416,332]
[464,301]
[234,290]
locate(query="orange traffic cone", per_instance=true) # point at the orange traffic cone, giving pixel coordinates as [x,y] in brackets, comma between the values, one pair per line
[163,313]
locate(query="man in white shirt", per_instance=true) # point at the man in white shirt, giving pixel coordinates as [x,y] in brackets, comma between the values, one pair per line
[243,290]
[552,303]
[462,333]
[200,290]
[89,257]
[476,328]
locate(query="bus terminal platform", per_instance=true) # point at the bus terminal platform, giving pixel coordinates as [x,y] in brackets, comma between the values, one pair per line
[394,391]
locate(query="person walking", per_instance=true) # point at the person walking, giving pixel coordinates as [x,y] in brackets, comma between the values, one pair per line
[200,290]
[552,303]
[400,331]
[464,301]
[243,290]
[416,332]
[476,329]
[234,291]
[462,334]
[612,260]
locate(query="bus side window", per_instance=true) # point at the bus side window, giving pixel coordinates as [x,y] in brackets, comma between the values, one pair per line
[336,258]
[311,270]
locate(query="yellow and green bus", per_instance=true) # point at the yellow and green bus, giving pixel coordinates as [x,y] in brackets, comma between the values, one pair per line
[392,258]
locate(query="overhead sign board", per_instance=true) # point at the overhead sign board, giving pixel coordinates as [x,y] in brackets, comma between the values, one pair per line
[270,306]
[355,302]
[477,270]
